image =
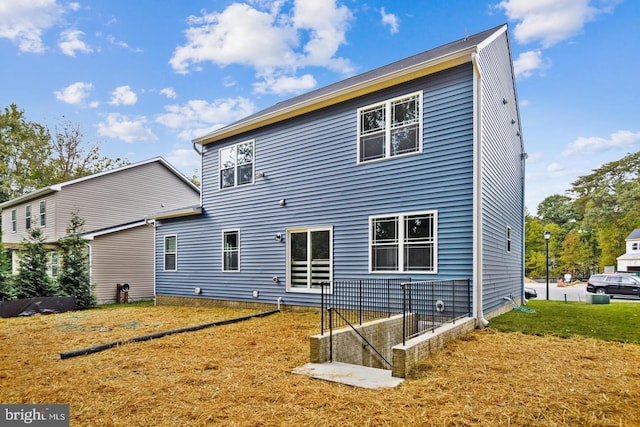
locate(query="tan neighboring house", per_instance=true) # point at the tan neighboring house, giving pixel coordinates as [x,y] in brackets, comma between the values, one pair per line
[114,205]
[630,261]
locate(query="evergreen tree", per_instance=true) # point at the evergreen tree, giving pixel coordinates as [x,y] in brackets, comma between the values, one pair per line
[74,277]
[33,280]
[6,286]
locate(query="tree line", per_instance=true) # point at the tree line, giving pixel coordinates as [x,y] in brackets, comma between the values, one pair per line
[588,225]
[32,157]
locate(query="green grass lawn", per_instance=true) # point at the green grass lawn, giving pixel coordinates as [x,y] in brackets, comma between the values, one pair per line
[610,322]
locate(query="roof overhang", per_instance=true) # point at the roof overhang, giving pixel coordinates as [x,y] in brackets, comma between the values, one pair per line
[176,213]
[350,92]
[92,235]
[29,196]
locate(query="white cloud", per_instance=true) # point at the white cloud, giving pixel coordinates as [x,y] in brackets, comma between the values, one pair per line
[70,43]
[594,144]
[127,129]
[111,39]
[285,84]
[327,25]
[186,160]
[529,62]
[75,93]
[391,20]
[552,21]
[23,22]
[123,95]
[269,40]
[198,117]
[169,92]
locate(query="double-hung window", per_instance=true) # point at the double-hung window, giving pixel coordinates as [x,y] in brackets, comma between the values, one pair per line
[404,243]
[14,221]
[391,128]
[43,213]
[231,250]
[236,164]
[171,253]
[27,217]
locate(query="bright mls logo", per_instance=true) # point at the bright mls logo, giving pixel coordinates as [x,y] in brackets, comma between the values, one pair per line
[34,415]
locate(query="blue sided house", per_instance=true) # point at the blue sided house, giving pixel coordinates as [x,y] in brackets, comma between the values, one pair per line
[411,170]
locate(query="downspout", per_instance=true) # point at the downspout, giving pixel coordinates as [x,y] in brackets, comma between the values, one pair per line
[478,312]
[152,223]
[195,149]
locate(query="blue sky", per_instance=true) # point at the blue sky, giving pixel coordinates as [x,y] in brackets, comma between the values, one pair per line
[144,77]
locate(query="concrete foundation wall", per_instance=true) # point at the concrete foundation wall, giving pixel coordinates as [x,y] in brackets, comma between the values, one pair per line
[406,357]
[349,347]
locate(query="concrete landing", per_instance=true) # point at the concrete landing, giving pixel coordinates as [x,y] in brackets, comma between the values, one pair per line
[353,375]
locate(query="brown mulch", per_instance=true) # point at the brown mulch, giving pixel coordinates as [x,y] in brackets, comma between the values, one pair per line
[240,375]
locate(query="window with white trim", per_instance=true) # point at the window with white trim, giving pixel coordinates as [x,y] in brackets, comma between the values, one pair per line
[391,128]
[634,247]
[310,258]
[55,263]
[171,253]
[403,243]
[43,213]
[236,164]
[231,250]
[27,217]
[508,238]
[14,221]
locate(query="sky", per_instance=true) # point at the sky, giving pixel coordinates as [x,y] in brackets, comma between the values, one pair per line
[143,78]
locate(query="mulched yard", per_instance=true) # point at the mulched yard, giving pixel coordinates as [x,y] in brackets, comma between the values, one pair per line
[239,375]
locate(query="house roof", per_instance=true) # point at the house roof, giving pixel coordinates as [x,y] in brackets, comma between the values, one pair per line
[58,187]
[175,213]
[422,64]
[635,235]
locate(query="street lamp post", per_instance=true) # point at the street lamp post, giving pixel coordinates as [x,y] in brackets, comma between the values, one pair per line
[547,236]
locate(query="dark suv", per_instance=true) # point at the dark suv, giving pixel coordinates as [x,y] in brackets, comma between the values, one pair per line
[614,284]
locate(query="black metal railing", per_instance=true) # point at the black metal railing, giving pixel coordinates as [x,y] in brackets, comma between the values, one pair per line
[425,305]
[359,301]
[429,304]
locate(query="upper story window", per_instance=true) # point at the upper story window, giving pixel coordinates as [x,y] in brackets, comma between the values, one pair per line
[231,250]
[634,247]
[171,253]
[236,165]
[404,243]
[14,221]
[27,217]
[391,128]
[508,242]
[43,213]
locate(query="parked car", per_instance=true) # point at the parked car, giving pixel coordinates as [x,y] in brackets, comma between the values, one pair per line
[530,293]
[614,284]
